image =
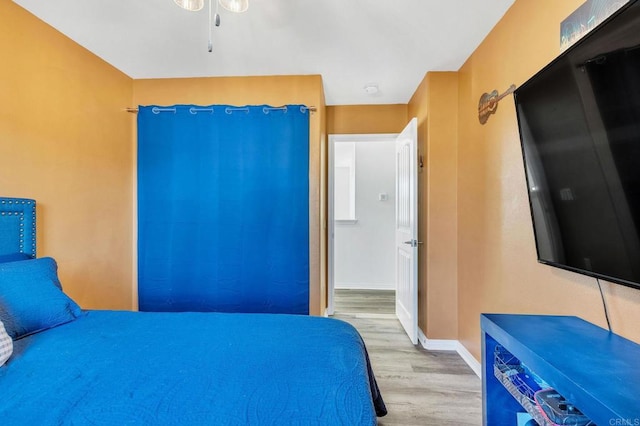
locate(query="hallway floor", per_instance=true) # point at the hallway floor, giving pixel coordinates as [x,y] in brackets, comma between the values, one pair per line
[419,387]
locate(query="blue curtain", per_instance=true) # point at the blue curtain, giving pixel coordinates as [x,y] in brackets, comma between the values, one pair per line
[223,209]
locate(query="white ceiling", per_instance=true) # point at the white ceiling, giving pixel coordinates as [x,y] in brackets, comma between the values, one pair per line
[351,43]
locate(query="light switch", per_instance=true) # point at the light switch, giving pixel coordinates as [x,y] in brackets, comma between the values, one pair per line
[383,196]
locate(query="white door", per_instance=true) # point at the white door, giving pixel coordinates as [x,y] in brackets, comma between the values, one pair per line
[407,229]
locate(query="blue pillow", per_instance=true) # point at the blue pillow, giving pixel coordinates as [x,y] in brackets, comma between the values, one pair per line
[31,299]
[14,257]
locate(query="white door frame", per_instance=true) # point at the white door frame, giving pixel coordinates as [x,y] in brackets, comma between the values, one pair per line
[333,139]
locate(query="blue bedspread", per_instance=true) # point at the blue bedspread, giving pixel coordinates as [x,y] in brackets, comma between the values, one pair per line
[121,368]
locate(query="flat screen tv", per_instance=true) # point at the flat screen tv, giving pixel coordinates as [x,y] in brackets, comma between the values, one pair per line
[579,122]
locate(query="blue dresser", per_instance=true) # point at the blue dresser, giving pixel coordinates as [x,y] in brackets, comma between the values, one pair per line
[595,370]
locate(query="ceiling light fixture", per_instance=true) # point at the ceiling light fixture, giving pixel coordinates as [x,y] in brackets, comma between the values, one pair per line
[190,5]
[237,6]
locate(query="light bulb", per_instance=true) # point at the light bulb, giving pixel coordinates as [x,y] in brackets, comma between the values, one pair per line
[190,5]
[237,6]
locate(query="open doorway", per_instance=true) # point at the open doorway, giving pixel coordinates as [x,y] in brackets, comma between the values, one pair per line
[362,192]
[351,199]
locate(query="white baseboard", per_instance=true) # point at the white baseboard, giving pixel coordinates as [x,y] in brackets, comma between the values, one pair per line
[436,344]
[364,286]
[450,345]
[469,359]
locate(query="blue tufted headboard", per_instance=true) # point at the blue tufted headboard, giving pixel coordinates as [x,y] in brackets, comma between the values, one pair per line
[17,226]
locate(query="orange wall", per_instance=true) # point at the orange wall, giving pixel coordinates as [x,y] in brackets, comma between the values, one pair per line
[365,119]
[497,267]
[65,141]
[278,90]
[435,104]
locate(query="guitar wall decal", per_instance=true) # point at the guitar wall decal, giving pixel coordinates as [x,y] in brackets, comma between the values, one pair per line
[489,103]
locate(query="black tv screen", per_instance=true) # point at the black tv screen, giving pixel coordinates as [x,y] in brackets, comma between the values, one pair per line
[579,122]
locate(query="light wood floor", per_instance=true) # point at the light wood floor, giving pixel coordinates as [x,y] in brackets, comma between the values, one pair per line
[419,387]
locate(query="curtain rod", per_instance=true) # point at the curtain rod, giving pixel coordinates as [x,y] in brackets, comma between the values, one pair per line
[311,108]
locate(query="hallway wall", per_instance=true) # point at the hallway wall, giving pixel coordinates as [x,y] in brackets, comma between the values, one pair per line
[364,250]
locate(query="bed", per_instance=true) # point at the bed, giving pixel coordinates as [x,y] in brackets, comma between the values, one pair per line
[77,367]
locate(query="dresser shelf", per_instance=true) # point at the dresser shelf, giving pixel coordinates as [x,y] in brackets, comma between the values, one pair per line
[598,371]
